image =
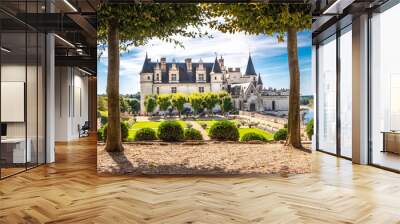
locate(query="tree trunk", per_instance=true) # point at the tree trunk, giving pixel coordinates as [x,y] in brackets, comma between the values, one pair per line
[294,96]
[114,142]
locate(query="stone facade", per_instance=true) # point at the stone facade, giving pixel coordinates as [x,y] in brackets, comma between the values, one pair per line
[246,89]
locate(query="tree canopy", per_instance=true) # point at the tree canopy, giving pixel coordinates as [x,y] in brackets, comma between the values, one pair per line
[259,18]
[139,23]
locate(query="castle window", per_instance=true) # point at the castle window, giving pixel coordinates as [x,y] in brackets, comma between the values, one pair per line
[173,77]
[201,89]
[201,77]
[215,78]
[148,77]
[158,77]
[158,90]
[173,89]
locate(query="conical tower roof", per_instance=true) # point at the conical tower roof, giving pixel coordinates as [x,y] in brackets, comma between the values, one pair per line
[250,67]
[146,65]
[216,68]
[259,80]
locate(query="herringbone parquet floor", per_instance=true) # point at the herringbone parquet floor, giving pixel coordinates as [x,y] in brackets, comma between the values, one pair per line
[69,191]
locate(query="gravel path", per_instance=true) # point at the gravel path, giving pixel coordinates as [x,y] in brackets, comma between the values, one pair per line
[198,127]
[211,158]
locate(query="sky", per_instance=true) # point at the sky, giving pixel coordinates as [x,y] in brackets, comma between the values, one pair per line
[269,58]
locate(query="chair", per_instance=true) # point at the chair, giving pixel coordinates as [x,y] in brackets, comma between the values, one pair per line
[84,130]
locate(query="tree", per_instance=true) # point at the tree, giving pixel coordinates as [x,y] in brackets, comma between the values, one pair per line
[134,105]
[270,19]
[178,101]
[123,104]
[226,104]
[164,101]
[102,103]
[125,25]
[150,104]
[211,100]
[196,101]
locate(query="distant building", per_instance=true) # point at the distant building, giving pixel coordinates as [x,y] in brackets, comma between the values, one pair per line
[246,89]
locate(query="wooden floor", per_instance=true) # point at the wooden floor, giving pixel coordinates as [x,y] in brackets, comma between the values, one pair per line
[69,191]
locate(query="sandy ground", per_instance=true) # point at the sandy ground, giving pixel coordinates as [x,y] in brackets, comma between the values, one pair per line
[210,158]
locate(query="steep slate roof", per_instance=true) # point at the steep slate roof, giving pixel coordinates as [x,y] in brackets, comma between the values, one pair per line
[147,67]
[185,76]
[250,67]
[216,68]
[259,81]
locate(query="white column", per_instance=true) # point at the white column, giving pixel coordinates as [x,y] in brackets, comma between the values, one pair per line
[314,84]
[50,100]
[360,90]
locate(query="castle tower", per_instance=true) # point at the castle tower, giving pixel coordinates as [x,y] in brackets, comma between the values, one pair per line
[146,81]
[259,83]
[216,77]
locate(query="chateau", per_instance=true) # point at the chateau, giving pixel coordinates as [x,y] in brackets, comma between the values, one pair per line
[246,89]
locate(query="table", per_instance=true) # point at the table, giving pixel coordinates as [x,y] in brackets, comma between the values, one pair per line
[13,150]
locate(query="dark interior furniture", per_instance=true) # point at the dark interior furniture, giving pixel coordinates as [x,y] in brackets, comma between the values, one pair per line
[391,141]
[84,130]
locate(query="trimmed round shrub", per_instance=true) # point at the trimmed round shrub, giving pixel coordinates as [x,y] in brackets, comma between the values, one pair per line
[224,130]
[124,131]
[281,134]
[310,128]
[145,134]
[170,131]
[252,136]
[193,134]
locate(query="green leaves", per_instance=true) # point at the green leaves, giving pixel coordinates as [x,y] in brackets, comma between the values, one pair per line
[259,18]
[139,23]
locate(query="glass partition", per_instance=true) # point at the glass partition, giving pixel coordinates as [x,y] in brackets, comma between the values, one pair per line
[346,93]
[385,89]
[327,96]
[22,100]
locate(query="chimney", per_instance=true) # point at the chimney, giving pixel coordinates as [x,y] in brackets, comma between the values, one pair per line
[163,64]
[221,62]
[188,62]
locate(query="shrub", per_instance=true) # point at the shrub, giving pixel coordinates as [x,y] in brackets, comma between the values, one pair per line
[224,130]
[310,128]
[281,134]
[252,136]
[103,120]
[193,134]
[124,131]
[170,131]
[145,134]
[203,125]
[100,134]
[189,125]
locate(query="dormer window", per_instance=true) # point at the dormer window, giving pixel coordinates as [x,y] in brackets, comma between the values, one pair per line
[201,77]
[173,77]
[148,77]
[215,78]
[158,77]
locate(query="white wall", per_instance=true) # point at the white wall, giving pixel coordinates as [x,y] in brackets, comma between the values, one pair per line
[71,103]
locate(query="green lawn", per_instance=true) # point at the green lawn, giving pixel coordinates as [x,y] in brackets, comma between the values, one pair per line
[242,131]
[147,124]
